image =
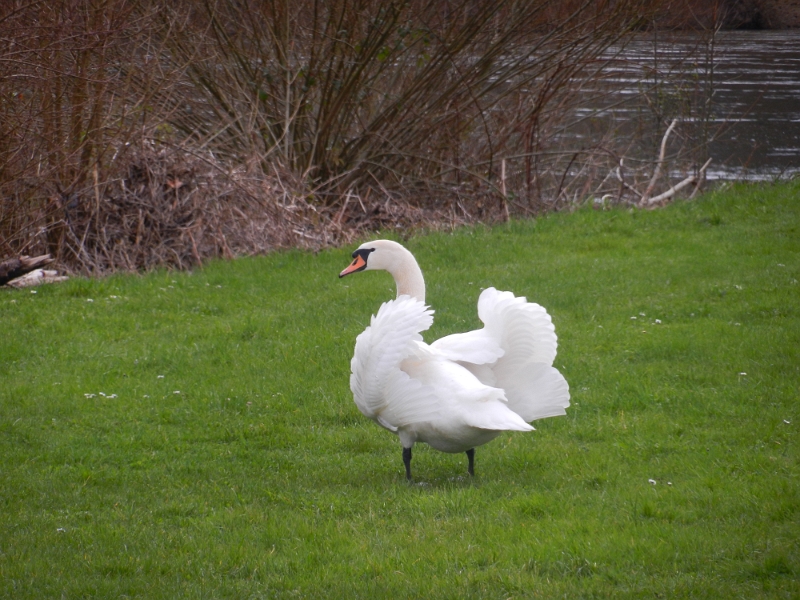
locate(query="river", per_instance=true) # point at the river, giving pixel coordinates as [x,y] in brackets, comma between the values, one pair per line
[747,98]
[758,90]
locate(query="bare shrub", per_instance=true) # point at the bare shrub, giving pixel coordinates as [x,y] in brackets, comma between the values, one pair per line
[402,99]
[68,112]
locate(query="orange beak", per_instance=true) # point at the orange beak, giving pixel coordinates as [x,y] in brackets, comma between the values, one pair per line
[358,263]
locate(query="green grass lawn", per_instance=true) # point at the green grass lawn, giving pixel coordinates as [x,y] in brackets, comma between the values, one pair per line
[193,434]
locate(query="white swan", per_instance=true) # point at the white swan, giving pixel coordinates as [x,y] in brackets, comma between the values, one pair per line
[462,390]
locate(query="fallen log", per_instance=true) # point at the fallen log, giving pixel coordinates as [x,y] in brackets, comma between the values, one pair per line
[37,277]
[12,268]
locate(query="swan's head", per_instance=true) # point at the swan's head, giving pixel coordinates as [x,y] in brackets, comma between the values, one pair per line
[386,255]
[378,255]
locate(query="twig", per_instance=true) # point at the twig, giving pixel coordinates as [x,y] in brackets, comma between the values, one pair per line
[502,189]
[338,220]
[701,176]
[625,184]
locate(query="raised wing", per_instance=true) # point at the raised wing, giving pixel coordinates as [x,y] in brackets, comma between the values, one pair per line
[534,388]
[521,327]
[514,351]
[478,347]
[378,384]
[511,324]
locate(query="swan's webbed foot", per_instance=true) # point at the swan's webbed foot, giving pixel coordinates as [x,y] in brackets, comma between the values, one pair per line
[407,462]
[471,465]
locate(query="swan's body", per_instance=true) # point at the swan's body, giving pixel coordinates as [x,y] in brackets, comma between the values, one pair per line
[462,390]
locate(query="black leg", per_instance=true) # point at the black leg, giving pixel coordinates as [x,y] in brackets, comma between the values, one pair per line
[471,457]
[407,462]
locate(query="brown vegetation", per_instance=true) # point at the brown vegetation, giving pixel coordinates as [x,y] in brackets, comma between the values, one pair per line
[135,133]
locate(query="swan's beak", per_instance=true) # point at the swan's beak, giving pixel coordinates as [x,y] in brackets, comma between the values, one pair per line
[358,264]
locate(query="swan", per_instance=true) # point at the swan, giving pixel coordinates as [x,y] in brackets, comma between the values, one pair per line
[463,390]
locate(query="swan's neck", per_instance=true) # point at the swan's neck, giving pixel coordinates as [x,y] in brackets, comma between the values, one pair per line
[408,277]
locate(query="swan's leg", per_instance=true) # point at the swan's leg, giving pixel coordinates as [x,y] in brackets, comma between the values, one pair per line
[407,462]
[471,457]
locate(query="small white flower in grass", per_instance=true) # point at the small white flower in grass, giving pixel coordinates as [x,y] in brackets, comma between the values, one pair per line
[651,481]
[176,392]
[33,291]
[742,373]
[61,530]
[89,300]
[658,321]
[633,318]
[146,396]
[738,287]
[787,422]
[669,483]
[642,315]
[89,395]
[159,377]
[112,396]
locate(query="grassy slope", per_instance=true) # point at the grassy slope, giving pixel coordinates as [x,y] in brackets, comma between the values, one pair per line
[233,463]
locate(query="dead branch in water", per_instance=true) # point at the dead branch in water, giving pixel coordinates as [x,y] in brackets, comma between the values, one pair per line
[659,162]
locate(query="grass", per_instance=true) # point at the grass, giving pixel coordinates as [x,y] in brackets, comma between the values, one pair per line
[193,435]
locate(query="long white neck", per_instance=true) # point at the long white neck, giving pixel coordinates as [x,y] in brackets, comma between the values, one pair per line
[408,277]
[386,255]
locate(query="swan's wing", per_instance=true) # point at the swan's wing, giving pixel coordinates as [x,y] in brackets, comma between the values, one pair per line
[495,416]
[510,324]
[463,398]
[521,327]
[477,347]
[380,389]
[534,388]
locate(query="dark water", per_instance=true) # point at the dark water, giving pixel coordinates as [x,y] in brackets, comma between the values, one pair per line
[758,90]
[747,98]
